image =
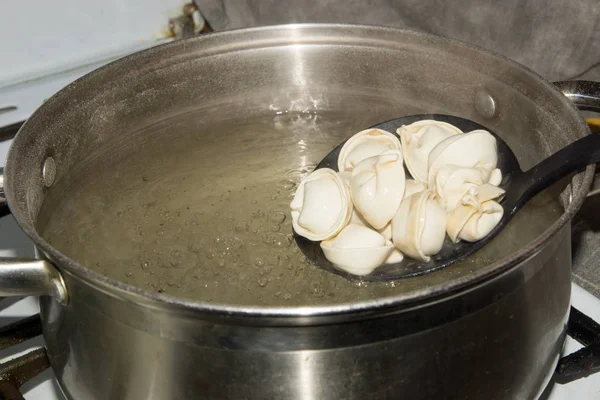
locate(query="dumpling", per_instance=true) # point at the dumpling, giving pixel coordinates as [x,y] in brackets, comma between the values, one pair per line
[395,256]
[377,187]
[411,187]
[365,144]
[418,139]
[495,177]
[321,206]
[477,215]
[453,182]
[357,250]
[476,149]
[419,226]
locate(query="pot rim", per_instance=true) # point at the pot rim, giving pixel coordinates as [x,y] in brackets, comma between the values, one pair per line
[580,184]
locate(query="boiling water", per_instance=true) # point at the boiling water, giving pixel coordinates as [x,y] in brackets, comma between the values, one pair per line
[201,211]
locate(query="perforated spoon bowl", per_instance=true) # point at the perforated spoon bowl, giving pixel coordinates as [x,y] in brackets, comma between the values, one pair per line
[520,187]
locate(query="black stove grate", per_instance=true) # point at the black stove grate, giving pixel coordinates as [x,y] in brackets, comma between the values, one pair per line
[15,372]
[585,361]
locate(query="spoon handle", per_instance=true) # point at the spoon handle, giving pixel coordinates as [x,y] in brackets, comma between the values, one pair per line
[573,158]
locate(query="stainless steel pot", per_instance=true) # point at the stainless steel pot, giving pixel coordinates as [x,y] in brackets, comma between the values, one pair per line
[493,333]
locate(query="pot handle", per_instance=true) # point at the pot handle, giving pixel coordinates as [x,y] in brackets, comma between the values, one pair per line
[28,277]
[31,277]
[584,94]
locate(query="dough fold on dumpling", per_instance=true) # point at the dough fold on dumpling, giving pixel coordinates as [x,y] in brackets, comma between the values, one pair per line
[377,187]
[418,139]
[477,215]
[419,226]
[321,206]
[365,144]
[357,250]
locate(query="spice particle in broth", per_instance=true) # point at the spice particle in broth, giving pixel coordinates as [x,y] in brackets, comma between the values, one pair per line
[192,215]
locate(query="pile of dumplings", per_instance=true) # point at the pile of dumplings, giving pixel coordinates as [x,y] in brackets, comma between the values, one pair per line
[371,213]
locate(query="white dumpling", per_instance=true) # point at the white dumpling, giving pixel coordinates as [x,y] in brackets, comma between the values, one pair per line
[495,177]
[377,187]
[453,182]
[366,144]
[321,206]
[386,231]
[418,139]
[477,215]
[358,219]
[412,186]
[345,176]
[357,250]
[395,256]
[476,149]
[419,226]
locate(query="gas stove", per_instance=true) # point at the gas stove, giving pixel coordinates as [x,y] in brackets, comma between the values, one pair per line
[97,34]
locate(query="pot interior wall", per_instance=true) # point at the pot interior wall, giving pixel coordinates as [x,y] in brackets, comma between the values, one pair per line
[175,167]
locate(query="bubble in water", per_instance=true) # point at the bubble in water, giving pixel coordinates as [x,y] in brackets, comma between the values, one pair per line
[129,274]
[222,263]
[259,262]
[275,228]
[317,290]
[210,253]
[274,259]
[265,270]
[241,228]
[160,232]
[263,281]
[287,296]
[287,184]
[145,264]
[232,243]
[176,258]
